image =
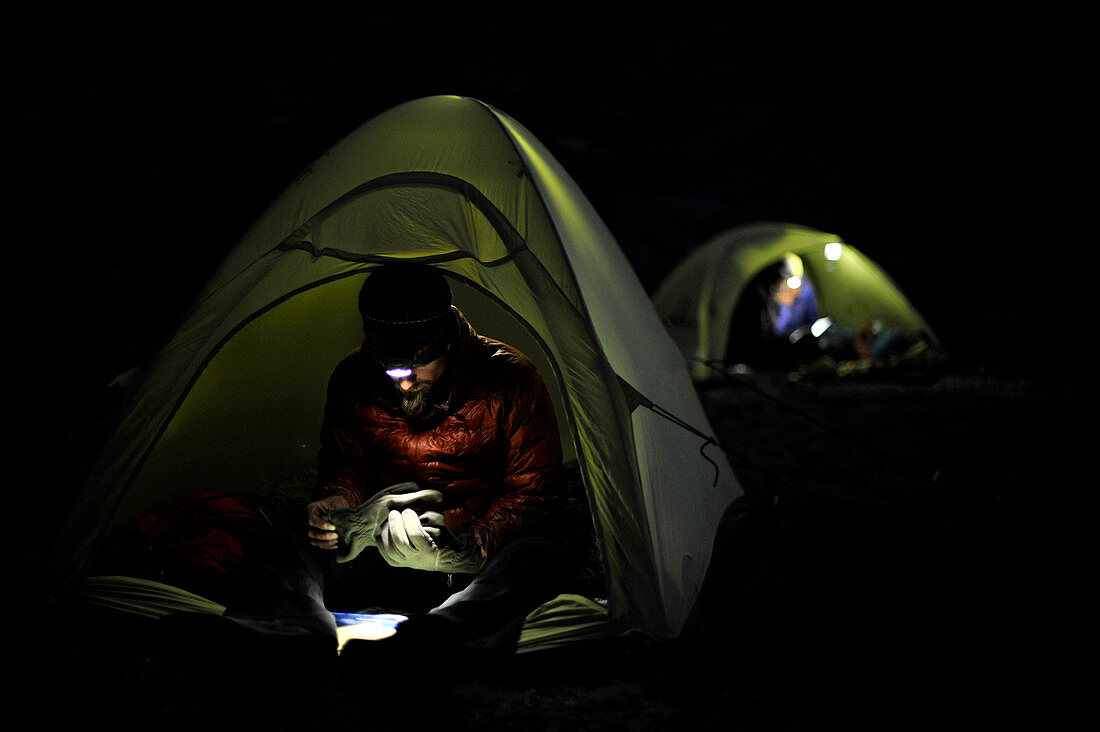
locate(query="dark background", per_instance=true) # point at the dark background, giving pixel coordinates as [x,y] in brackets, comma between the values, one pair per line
[142,143]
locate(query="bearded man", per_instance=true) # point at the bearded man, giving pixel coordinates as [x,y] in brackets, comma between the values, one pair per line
[440,465]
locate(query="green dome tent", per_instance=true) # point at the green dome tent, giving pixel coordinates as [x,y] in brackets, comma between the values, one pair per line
[697,299]
[233,402]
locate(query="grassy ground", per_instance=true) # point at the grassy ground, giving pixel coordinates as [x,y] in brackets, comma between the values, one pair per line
[910,557]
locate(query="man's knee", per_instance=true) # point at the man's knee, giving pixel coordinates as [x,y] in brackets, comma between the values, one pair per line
[531,558]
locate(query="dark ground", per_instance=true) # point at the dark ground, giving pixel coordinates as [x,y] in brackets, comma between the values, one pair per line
[870,594]
[857,593]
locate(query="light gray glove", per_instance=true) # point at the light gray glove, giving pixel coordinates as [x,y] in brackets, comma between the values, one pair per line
[422,541]
[360,527]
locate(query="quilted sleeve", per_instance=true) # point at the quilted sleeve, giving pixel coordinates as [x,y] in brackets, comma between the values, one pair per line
[533,477]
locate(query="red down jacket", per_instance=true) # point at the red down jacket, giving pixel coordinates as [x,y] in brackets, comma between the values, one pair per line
[491,445]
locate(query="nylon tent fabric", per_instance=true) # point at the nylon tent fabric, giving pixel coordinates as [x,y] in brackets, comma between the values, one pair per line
[143,597]
[456,183]
[696,300]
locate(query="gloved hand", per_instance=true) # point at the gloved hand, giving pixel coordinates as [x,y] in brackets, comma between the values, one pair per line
[422,541]
[360,527]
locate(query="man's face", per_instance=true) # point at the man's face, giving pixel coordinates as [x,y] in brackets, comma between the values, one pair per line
[414,387]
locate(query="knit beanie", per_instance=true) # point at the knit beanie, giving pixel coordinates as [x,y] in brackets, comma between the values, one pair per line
[408,320]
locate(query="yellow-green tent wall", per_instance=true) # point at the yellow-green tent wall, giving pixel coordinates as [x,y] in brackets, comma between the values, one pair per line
[233,400]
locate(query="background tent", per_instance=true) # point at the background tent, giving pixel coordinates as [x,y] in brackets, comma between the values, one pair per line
[233,401]
[698,298]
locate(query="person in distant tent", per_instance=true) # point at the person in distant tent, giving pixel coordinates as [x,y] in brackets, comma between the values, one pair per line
[440,466]
[793,302]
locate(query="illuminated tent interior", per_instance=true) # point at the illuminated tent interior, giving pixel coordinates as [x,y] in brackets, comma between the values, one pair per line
[706,301]
[233,401]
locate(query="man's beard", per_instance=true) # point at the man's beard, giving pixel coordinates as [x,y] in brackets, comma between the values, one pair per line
[415,400]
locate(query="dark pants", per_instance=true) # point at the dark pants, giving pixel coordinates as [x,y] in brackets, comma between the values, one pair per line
[291,587]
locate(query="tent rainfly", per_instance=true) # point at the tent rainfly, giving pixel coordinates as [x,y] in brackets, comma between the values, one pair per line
[696,301]
[456,183]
